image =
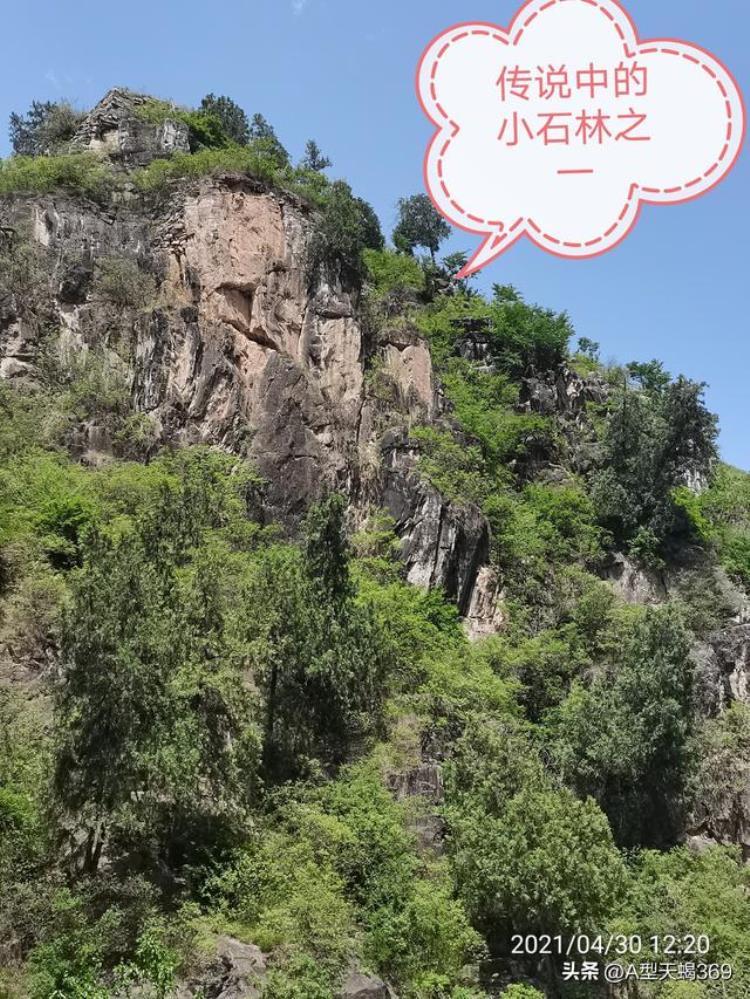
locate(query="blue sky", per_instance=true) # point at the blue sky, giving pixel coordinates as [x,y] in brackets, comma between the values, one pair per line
[342,71]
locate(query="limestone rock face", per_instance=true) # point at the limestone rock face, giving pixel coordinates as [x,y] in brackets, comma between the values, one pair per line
[408,362]
[561,393]
[723,677]
[115,129]
[255,354]
[17,345]
[423,784]
[442,544]
[730,658]
[485,615]
[633,584]
[726,822]
[233,347]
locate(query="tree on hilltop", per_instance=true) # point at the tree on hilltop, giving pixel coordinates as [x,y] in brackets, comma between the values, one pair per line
[233,119]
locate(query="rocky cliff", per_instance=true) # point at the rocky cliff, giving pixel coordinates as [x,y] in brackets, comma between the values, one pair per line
[157,293]
[233,346]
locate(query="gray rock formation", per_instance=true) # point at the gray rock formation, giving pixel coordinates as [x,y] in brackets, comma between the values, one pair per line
[486,613]
[237,972]
[721,813]
[407,361]
[443,545]
[233,349]
[475,343]
[728,660]
[561,393]
[422,785]
[115,129]
[360,986]
[725,822]
[632,583]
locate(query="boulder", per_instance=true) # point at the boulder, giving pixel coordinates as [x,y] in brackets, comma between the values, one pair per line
[634,584]
[237,972]
[360,986]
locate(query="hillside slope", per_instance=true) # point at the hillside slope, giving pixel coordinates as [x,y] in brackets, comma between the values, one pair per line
[353,626]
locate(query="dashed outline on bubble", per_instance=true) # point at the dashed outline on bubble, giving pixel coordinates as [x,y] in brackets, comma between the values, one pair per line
[531,229]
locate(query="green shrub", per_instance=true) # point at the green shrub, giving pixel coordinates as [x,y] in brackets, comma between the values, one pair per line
[159,174]
[418,625]
[46,128]
[32,624]
[485,405]
[462,685]
[205,128]
[344,229]
[391,272]
[137,438]
[255,160]
[455,470]
[303,978]
[157,111]
[683,892]
[652,443]
[720,762]
[720,515]
[205,131]
[45,498]
[624,736]
[82,173]
[122,282]
[25,279]
[544,666]
[527,857]
[377,548]
[284,890]
[428,940]
[545,527]
[520,336]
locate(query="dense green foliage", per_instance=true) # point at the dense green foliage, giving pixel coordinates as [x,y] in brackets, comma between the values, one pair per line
[656,440]
[212,728]
[419,224]
[81,172]
[346,228]
[230,115]
[622,738]
[507,821]
[314,158]
[677,892]
[46,128]
[720,517]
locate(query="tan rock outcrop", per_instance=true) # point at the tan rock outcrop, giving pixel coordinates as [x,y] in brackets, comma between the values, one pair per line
[239,349]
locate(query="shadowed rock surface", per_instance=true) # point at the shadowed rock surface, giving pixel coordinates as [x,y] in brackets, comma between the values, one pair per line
[234,348]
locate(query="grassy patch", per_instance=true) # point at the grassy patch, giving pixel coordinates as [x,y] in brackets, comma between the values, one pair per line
[253,160]
[82,173]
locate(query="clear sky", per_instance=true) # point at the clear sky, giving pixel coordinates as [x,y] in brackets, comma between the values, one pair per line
[342,71]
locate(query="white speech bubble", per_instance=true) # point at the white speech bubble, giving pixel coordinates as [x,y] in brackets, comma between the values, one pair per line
[561,126]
